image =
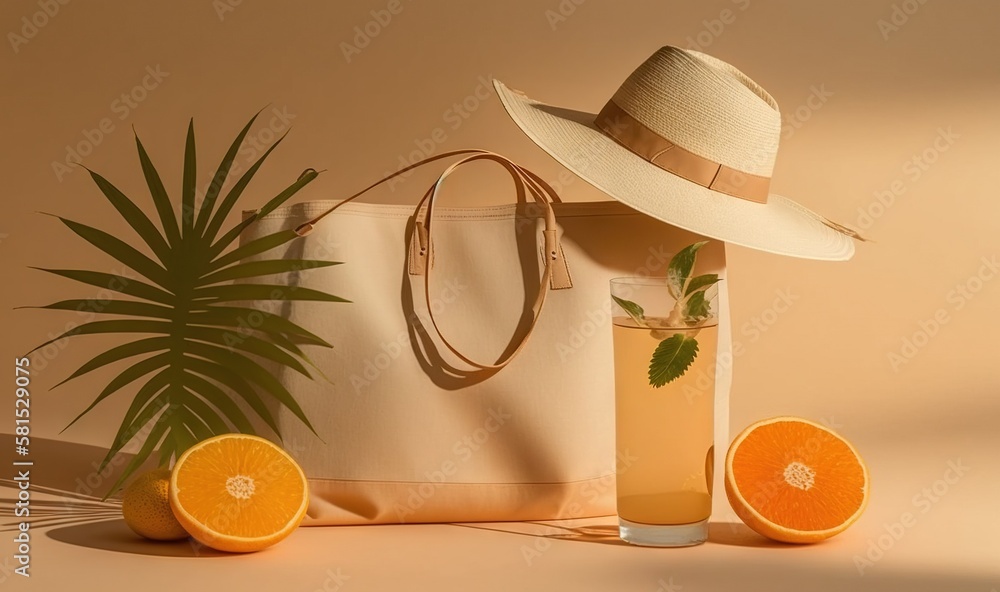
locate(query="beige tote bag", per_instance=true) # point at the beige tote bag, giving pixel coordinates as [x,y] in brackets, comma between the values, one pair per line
[471,376]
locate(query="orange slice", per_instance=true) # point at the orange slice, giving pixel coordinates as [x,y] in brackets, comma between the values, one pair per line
[238,493]
[795,481]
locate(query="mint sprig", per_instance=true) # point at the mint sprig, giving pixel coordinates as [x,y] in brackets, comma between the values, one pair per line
[632,309]
[671,359]
[701,282]
[692,306]
[679,269]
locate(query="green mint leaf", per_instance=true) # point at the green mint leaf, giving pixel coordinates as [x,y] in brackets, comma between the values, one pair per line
[634,310]
[671,359]
[701,282]
[697,307]
[711,292]
[679,269]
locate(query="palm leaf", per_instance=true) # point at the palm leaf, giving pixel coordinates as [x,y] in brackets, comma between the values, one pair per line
[259,268]
[254,247]
[151,398]
[152,441]
[134,216]
[220,177]
[114,282]
[120,352]
[227,239]
[247,321]
[189,183]
[260,320]
[251,370]
[131,374]
[119,326]
[213,422]
[119,250]
[159,194]
[219,218]
[115,307]
[241,292]
[220,399]
[179,437]
[247,343]
[202,361]
[237,384]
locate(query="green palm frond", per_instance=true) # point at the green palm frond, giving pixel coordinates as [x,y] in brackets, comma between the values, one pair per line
[194,352]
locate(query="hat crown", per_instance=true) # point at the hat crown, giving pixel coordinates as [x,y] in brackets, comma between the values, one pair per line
[706,106]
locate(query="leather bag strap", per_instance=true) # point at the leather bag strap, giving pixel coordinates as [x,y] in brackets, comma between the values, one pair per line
[420,261]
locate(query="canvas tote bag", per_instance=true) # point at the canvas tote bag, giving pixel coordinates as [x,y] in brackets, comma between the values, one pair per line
[471,377]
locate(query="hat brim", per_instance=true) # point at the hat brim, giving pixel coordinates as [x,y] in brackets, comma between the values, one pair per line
[780,226]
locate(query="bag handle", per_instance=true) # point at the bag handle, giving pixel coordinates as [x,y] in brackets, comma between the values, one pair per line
[307,227]
[555,276]
[556,273]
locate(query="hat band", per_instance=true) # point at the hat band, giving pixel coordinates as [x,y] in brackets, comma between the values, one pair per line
[657,150]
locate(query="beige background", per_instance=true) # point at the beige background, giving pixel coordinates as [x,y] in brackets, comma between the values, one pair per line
[910,108]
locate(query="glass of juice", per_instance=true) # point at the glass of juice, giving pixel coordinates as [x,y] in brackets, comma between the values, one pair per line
[665,426]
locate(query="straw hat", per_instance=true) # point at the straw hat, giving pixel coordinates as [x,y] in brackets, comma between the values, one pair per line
[690,140]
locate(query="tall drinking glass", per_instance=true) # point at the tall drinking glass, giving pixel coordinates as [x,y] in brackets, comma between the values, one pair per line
[665,491]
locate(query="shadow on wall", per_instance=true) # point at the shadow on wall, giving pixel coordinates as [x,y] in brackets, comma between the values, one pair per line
[70,468]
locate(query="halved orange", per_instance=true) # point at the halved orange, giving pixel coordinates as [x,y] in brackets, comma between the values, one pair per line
[795,481]
[238,493]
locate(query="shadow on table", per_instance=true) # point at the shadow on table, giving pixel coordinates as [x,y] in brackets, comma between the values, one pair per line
[115,535]
[45,513]
[737,534]
[719,533]
[67,471]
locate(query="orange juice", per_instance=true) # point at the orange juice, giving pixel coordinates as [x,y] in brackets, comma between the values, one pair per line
[668,430]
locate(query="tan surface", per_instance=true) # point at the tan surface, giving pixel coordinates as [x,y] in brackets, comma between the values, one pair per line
[825,356]
[84,546]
